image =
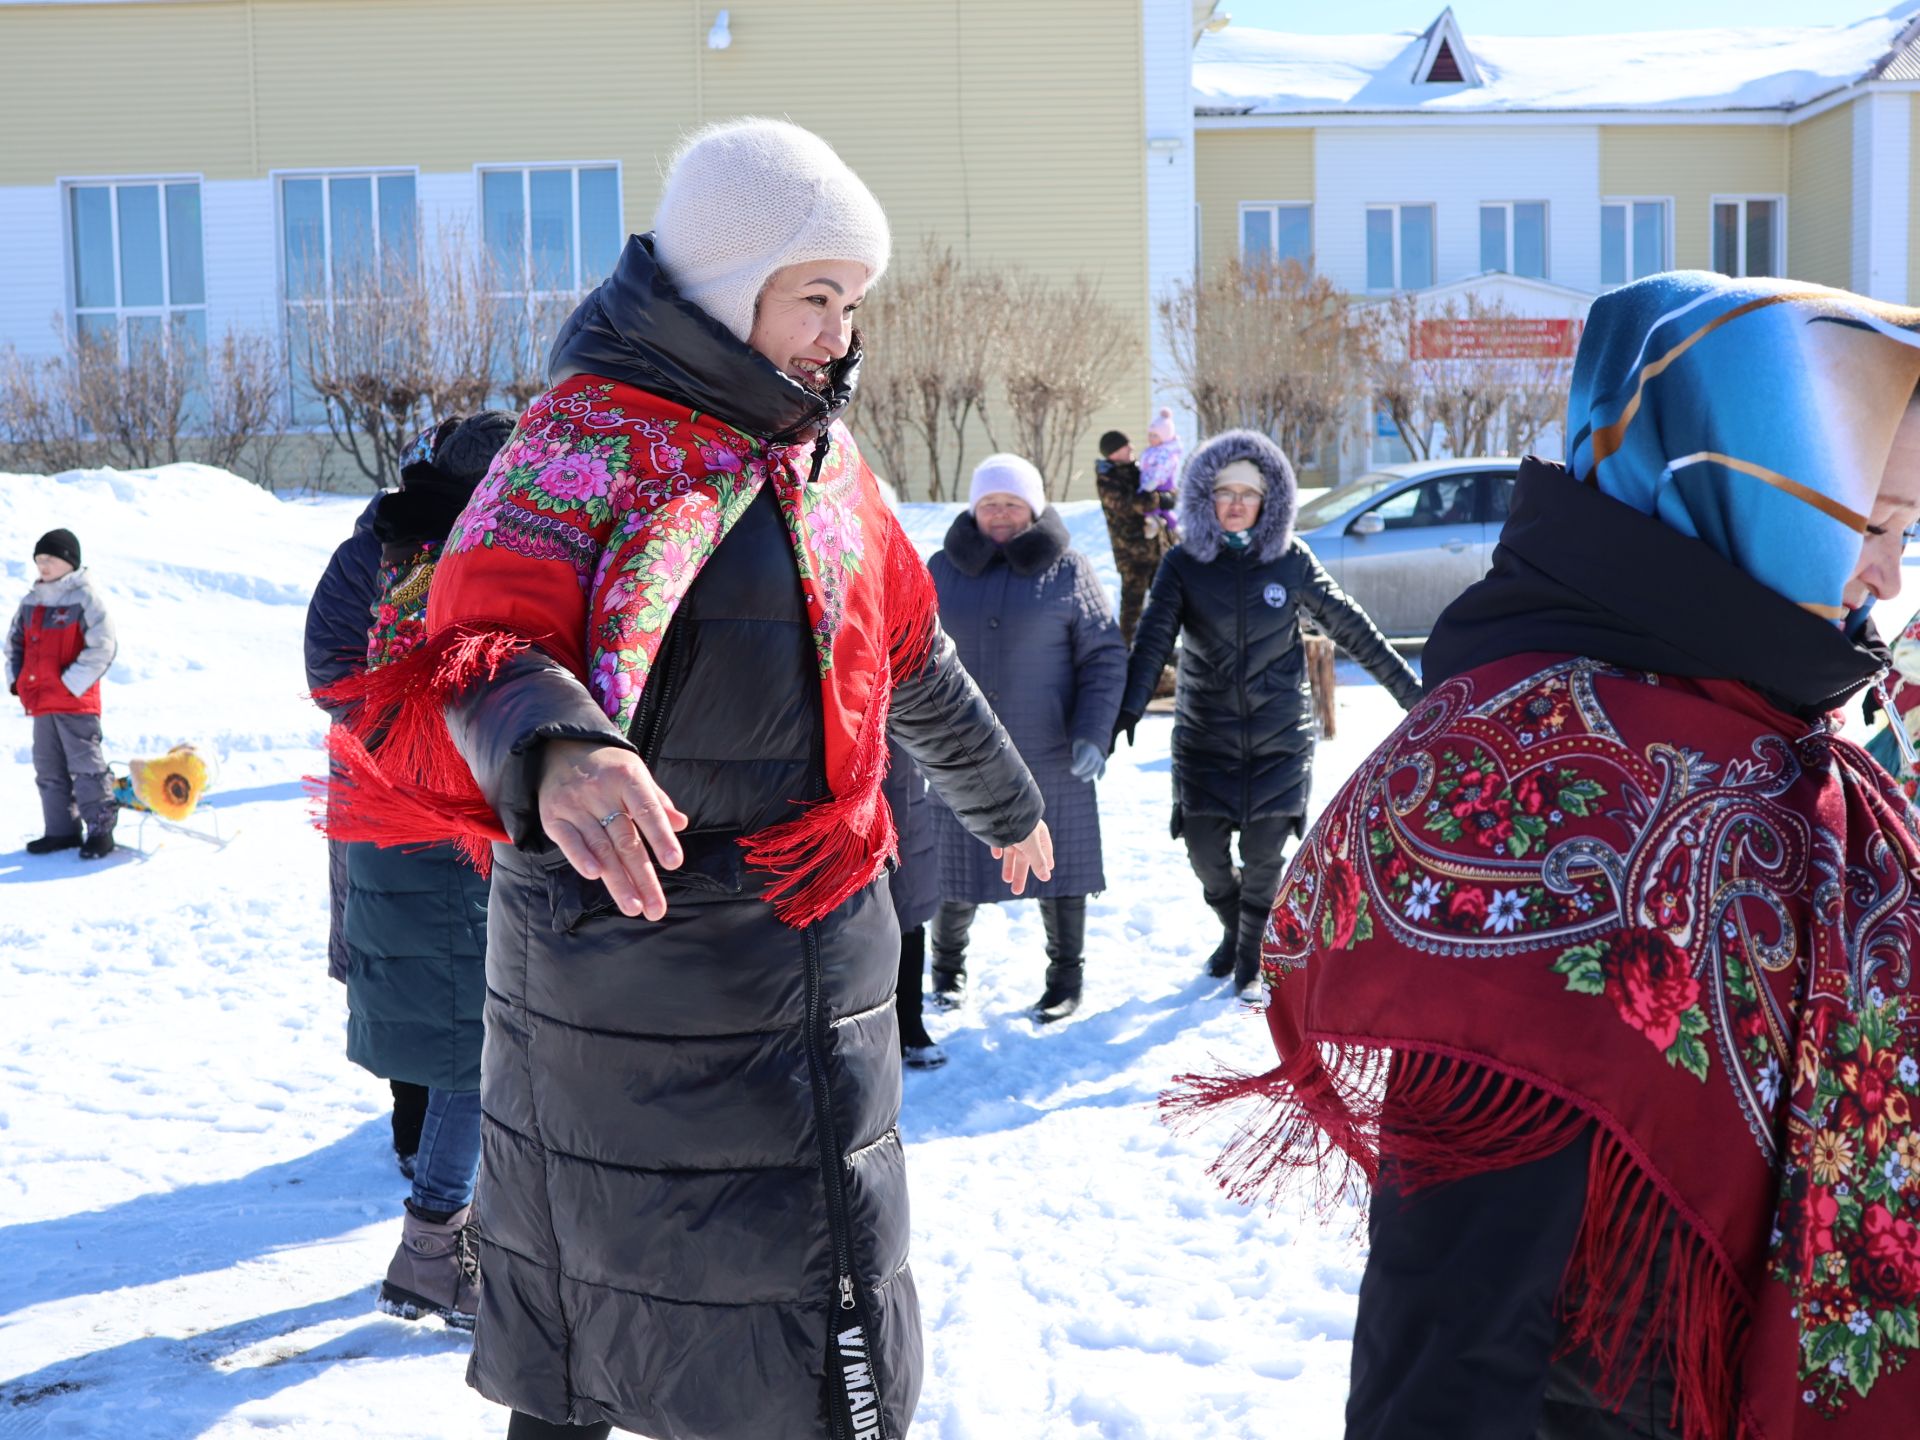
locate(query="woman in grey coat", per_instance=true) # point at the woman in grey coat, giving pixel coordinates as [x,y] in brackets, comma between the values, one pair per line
[1033,627]
[1234,590]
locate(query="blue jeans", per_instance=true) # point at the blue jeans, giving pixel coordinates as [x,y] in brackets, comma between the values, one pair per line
[449,1154]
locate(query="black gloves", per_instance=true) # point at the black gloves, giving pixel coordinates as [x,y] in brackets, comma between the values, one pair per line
[1123,726]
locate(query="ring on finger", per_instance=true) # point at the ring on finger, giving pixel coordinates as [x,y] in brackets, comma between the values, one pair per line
[606,820]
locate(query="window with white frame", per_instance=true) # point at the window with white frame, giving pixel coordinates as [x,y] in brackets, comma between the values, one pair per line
[1400,247]
[1634,239]
[139,275]
[1513,237]
[1274,233]
[345,239]
[1748,236]
[551,233]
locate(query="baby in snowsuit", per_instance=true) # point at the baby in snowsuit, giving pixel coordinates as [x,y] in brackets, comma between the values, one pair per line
[60,645]
[1160,466]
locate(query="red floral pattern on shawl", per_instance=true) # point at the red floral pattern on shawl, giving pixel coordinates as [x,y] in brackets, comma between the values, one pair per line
[584,537]
[1577,894]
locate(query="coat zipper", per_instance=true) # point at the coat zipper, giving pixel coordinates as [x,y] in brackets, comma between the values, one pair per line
[1240,651]
[669,677]
[857,1410]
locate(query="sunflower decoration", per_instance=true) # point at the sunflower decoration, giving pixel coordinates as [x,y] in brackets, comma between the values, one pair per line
[172,785]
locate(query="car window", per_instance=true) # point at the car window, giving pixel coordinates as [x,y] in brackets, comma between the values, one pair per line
[1345,498]
[1499,493]
[1444,500]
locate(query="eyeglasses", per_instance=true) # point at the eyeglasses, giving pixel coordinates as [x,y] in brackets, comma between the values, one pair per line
[1236,497]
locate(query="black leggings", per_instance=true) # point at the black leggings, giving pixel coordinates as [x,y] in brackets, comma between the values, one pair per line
[525,1427]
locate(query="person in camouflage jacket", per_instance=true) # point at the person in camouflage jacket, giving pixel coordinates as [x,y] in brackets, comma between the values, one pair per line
[1137,524]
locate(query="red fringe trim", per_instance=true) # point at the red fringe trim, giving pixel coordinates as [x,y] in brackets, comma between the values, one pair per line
[1317,1125]
[838,847]
[397,777]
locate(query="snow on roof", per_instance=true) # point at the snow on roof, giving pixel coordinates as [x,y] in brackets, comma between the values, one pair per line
[1264,72]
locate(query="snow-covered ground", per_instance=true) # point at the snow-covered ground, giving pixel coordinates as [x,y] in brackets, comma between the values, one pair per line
[197,1199]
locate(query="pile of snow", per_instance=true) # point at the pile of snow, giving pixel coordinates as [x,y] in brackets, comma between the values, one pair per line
[199,1201]
[1264,72]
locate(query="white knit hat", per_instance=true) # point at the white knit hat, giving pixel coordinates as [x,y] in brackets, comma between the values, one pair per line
[1007,475]
[745,197]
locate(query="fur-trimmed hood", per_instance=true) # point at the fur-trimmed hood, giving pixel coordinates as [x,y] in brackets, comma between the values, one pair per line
[1200,532]
[1028,553]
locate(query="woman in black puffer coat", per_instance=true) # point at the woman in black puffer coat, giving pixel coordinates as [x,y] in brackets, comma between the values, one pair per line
[1234,591]
[663,634]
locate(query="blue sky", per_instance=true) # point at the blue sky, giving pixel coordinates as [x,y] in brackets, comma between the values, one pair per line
[1532,17]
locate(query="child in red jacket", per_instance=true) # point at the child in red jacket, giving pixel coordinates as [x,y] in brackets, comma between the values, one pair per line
[60,645]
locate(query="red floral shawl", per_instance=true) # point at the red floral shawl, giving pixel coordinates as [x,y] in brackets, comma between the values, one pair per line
[1561,892]
[584,537]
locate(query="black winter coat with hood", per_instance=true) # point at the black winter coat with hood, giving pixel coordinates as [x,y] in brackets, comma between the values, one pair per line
[1243,728]
[693,1182]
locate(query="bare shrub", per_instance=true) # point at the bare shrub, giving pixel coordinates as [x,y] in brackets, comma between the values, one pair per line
[396,350]
[933,336]
[1269,348]
[1485,401]
[39,426]
[1063,350]
[243,429]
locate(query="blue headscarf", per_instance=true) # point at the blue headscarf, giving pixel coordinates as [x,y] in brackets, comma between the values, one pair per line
[1753,415]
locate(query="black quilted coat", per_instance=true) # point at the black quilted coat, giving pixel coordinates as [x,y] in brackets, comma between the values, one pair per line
[1243,729]
[1033,626]
[692,1182]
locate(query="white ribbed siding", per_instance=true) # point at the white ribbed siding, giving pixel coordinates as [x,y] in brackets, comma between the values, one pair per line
[1455,170]
[1882,184]
[33,250]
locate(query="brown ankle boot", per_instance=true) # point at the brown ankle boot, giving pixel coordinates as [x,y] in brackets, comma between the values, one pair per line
[434,1272]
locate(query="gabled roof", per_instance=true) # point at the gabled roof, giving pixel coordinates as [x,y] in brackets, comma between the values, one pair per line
[1240,71]
[1445,58]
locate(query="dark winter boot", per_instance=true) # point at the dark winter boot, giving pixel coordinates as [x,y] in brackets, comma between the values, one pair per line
[952,923]
[98,844]
[917,1048]
[50,844]
[435,1271]
[1246,965]
[1222,961]
[1064,917]
[1062,995]
[409,1115]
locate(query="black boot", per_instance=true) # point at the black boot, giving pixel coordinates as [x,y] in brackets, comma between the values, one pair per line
[49,844]
[1062,995]
[1246,965]
[917,1048]
[951,924]
[1222,961]
[98,844]
[1065,919]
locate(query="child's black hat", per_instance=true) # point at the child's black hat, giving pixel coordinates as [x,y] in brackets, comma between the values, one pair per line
[61,544]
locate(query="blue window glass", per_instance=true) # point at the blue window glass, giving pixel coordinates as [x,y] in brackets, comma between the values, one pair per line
[186,264]
[1493,237]
[1613,244]
[352,235]
[1530,240]
[1293,235]
[302,222]
[1416,247]
[399,229]
[1380,249]
[503,226]
[550,205]
[142,279]
[92,207]
[601,231]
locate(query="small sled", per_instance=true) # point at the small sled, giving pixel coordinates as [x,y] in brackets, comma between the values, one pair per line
[167,791]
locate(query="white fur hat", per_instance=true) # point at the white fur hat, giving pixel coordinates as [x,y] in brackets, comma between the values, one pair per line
[1007,475]
[744,198]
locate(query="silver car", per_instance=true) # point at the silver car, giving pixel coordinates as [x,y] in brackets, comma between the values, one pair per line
[1405,539]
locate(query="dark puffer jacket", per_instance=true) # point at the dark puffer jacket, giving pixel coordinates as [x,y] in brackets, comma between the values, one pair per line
[1033,627]
[915,882]
[1243,730]
[336,647]
[690,1131]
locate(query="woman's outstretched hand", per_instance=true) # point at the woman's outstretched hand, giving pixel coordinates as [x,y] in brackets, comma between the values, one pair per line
[612,821]
[1033,855]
